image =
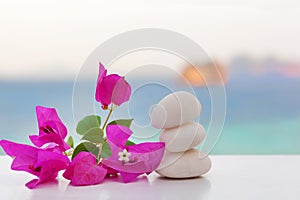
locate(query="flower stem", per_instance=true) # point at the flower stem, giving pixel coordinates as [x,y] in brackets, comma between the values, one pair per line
[99,153]
[108,116]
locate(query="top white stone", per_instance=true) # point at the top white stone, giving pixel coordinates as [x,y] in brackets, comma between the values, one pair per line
[174,110]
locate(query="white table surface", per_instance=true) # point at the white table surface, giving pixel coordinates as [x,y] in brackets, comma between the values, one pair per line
[232,177]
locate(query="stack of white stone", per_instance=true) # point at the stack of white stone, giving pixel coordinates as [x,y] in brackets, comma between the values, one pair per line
[174,114]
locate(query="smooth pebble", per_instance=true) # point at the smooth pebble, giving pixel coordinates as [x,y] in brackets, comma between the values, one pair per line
[189,164]
[183,138]
[174,110]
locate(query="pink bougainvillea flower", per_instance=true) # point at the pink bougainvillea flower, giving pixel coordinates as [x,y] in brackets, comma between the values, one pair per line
[134,160]
[84,170]
[51,129]
[42,163]
[111,88]
[110,172]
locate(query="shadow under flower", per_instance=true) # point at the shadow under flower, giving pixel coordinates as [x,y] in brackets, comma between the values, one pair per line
[151,187]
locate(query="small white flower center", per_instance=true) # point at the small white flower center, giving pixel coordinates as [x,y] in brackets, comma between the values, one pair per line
[124,155]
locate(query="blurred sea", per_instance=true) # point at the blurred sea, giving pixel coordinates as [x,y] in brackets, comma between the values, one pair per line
[263,111]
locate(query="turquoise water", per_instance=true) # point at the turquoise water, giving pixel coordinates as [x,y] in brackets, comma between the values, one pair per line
[263,112]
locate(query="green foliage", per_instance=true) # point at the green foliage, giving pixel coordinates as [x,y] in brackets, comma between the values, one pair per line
[87,123]
[70,142]
[85,146]
[129,143]
[106,151]
[94,135]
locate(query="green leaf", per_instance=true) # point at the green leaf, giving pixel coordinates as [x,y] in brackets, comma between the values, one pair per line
[85,146]
[122,122]
[87,123]
[129,143]
[106,151]
[70,141]
[94,135]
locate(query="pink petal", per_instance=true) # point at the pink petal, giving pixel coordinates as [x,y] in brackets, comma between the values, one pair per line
[45,115]
[53,147]
[49,163]
[14,149]
[137,167]
[32,184]
[144,158]
[84,170]
[150,153]
[110,171]
[24,156]
[101,75]
[43,163]
[118,135]
[105,89]
[129,177]
[146,147]
[56,127]
[121,92]
[102,72]
[61,161]
[140,162]
[50,138]
[111,89]
[51,128]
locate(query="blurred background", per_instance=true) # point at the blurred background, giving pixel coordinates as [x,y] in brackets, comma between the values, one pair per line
[255,44]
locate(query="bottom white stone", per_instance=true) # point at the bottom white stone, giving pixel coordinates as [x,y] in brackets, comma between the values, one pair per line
[184,164]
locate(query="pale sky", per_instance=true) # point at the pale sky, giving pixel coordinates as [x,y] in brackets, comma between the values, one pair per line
[51,39]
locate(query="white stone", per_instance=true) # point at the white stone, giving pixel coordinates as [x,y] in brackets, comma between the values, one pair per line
[189,164]
[183,137]
[174,110]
